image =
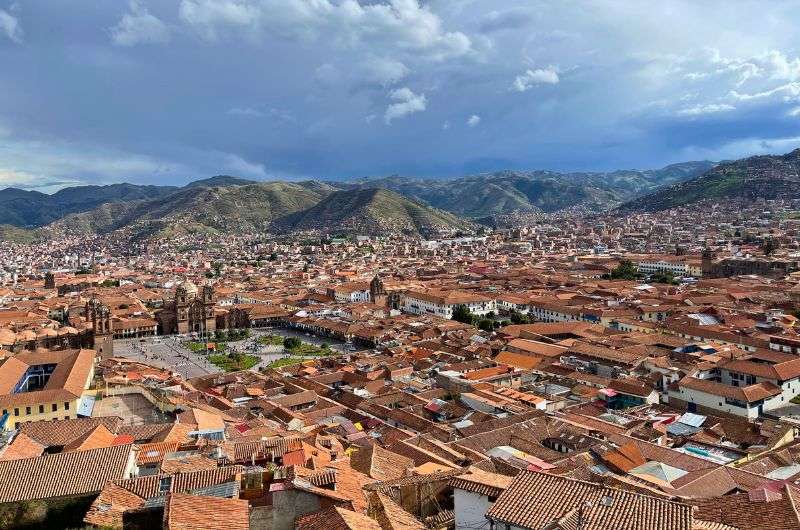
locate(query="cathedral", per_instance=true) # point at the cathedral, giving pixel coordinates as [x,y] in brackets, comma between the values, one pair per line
[190,311]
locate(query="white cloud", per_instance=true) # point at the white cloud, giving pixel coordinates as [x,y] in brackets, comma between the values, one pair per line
[445,125]
[789,91]
[474,120]
[401,24]
[208,16]
[710,108]
[406,102]
[10,27]
[139,27]
[384,71]
[531,78]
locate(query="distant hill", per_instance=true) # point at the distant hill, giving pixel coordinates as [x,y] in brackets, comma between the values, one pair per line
[549,191]
[757,177]
[31,208]
[220,180]
[370,211]
[18,235]
[200,208]
[24,208]
[411,205]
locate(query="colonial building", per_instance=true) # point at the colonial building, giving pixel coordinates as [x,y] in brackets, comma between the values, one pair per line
[191,311]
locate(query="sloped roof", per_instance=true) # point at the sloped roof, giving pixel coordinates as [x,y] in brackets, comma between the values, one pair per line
[62,474]
[535,500]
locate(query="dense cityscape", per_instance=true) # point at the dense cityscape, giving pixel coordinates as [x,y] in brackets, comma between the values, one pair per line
[399,265]
[572,371]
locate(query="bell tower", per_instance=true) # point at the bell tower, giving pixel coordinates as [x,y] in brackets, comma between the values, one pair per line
[99,315]
[377,291]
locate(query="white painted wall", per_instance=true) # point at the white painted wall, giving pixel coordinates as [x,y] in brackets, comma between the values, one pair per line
[470,509]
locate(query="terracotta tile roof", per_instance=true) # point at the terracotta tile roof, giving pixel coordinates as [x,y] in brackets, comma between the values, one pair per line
[108,508]
[148,486]
[481,482]
[150,453]
[201,419]
[747,394]
[195,512]
[390,515]
[536,348]
[99,437]
[770,512]
[517,360]
[66,382]
[537,500]
[379,463]
[335,518]
[188,463]
[63,474]
[64,432]
[22,446]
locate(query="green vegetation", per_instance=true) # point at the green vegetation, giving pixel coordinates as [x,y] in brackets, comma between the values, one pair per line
[200,209]
[664,277]
[291,343]
[17,235]
[300,351]
[626,270]
[487,324]
[231,335]
[369,211]
[309,350]
[270,340]
[286,361]
[519,318]
[461,313]
[234,362]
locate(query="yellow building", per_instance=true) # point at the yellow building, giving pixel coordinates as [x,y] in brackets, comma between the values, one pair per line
[44,385]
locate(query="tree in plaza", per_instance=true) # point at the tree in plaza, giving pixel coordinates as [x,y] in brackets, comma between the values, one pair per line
[461,313]
[664,277]
[519,318]
[486,324]
[291,343]
[626,270]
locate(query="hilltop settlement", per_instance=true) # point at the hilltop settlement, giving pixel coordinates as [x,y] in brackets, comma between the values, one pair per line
[621,370]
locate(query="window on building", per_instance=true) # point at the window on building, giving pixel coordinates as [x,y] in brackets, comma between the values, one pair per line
[164,485]
[41,409]
[27,411]
[16,412]
[55,407]
[66,405]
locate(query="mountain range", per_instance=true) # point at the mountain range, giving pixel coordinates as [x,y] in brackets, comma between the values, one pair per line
[395,204]
[756,177]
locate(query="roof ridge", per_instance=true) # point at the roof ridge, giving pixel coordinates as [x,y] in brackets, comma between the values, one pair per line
[603,486]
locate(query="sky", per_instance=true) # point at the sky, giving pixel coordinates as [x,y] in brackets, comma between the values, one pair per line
[165,92]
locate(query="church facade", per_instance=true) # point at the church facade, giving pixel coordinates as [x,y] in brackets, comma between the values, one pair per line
[190,311]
